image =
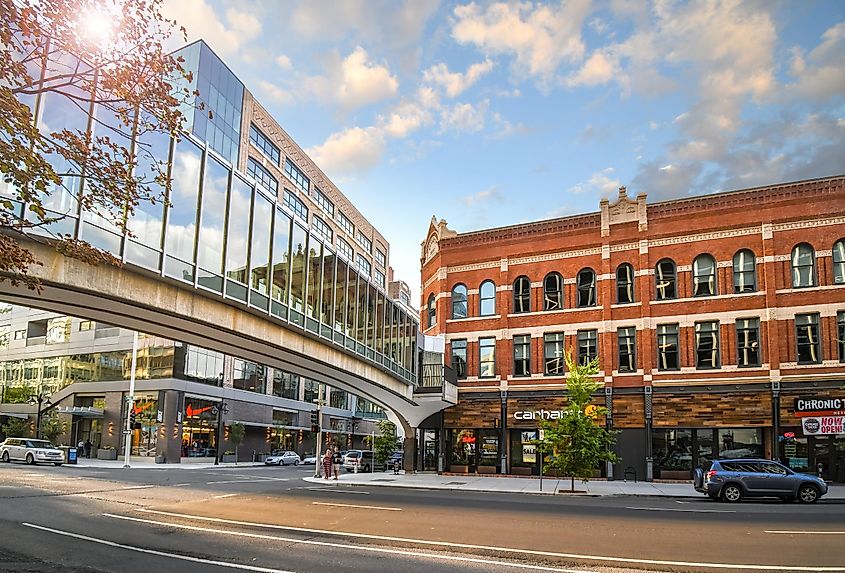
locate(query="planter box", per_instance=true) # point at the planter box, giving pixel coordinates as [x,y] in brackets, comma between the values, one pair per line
[106,454]
[229,458]
[486,469]
[459,469]
[521,471]
[675,474]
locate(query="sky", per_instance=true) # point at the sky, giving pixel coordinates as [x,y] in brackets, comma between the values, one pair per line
[488,114]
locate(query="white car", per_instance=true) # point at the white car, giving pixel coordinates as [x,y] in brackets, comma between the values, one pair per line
[31,451]
[309,460]
[282,459]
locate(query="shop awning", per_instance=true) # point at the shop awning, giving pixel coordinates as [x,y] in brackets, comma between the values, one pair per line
[81,411]
[15,415]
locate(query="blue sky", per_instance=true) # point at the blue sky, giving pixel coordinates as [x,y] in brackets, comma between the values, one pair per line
[495,113]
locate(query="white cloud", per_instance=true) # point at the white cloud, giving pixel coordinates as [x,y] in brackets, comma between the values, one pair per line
[202,21]
[353,150]
[599,183]
[540,37]
[276,93]
[455,83]
[599,69]
[284,62]
[354,81]
[820,74]
[464,117]
[493,194]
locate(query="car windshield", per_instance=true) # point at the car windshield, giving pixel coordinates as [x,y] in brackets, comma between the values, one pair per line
[39,444]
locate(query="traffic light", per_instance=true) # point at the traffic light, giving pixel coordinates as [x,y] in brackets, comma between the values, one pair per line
[315,426]
[132,419]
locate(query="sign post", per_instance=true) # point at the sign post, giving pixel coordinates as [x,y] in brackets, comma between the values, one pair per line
[130,402]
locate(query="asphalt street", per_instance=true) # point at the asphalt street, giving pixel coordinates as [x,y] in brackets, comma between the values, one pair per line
[269,520]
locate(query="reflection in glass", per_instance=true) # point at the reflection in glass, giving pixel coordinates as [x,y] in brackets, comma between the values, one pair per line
[214,191]
[182,217]
[260,253]
[237,237]
[315,267]
[281,256]
[326,306]
[297,283]
[145,224]
[361,330]
[371,316]
[378,342]
[340,296]
[351,302]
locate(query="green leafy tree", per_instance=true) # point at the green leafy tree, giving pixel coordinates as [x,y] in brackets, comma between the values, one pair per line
[575,443]
[237,433]
[78,55]
[18,394]
[52,427]
[385,441]
[16,427]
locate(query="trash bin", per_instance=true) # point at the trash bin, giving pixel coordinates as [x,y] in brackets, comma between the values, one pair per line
[70,454]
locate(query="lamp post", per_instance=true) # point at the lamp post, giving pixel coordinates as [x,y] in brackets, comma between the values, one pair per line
[37,401]
[130,403]
[321,390]
[219,410]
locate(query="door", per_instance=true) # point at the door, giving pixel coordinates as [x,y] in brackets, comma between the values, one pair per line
[778,478]
[754,476]
[429,451]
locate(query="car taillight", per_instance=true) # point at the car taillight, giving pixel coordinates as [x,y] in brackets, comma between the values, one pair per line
[711,474]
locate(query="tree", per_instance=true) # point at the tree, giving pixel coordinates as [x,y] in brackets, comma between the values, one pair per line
[575,442]
[385,441]
[74,57]
[18,394]
[52,427]
[16,428]
[237,432]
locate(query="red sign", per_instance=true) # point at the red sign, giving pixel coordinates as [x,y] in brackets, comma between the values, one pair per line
[191,412]
[789,434]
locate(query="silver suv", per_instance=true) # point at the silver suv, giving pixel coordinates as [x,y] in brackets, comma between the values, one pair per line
[732,480]
[31,451]
[358,461]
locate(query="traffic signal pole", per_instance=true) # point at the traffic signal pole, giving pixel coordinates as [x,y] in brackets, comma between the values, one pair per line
[130,402]
[320,392]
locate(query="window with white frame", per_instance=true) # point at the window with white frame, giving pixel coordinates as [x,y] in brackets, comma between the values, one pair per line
[487,298]
[707,344]
[345,224]
[521,295]
[803,266]
[586,288]
[665,279]
[522,355]
[431,315]
[345,249]
[324,202]
[839,262]
[459,358]
[459,301]
[364,241]
[667,347]
[263,177]
[744,267]
[381,258]
[297,176]
[322,229]
[704,276]
[486,357]
[296,205]
[807,338]
[363,264]
[748,342]
[553,292]
[262,142]
[587,346]
[627,345]
[624,284]
[554,363]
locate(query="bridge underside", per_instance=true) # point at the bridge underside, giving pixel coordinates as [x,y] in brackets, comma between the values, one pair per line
[146,302]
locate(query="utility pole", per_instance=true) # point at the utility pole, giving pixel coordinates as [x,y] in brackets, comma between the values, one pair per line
[321,390]
[130,402]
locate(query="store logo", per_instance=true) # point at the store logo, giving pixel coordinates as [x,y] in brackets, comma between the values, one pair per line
[191,412]
[142,407]
[811,426]
[538,415]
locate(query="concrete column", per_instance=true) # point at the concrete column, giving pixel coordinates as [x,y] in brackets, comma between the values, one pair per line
[410,449]
[169,442]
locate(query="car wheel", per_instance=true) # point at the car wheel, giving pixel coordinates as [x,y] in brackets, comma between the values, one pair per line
[30,460]
[808,493]
[787,498]
[296,462]
[731,493]
[57,464]
[6,457]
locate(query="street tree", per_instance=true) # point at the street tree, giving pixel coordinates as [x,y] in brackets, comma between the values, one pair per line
[237,433]
[385,441]
[52,427]
[81,83]
[575,443]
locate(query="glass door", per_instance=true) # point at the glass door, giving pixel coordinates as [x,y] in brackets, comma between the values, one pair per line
[429,450]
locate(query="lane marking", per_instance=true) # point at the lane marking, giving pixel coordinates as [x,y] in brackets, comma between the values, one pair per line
[180,484]
[682,510]
[365,548]
[226,495]
[231,481]
[357,506]
[137,487]
[154,552]
[262,478]
[451,544]
[333,490]
[804,532]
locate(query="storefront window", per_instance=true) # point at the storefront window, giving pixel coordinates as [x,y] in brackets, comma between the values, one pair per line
[249,376]
[672,450]
[523,452]
[144,431]
[463,447]
[199,428]
[489,449]
[741,443]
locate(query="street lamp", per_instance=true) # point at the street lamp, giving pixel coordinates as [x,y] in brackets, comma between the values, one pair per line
[218,410]
[38,400]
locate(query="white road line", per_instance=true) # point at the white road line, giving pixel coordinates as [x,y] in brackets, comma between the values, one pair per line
[682,510]
[180,484]
[137,487]
[357,506]
[262,478]
[229,481]
[226,495]
[819,569]
[805,532]
[333,490]
[365,548]
[154,552]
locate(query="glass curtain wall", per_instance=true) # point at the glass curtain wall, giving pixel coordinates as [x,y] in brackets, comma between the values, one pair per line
[180,238]
[237,238]
[281,263]
[299,256]
[215,192]
[262,226]
[315,287]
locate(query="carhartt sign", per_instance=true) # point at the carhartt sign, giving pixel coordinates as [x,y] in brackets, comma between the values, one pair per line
[538,415]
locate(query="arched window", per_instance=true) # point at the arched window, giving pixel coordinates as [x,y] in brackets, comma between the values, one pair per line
[487,294]
[665,279]
[586,287]
[522,295]
[459,301]
[803,266]
[704,276]
[839,262]
[432,312]
[745,275]
[553,292]
[624,283]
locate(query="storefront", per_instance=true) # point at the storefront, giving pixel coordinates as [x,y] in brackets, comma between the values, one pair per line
[678,451]
[199,428]
[812,438]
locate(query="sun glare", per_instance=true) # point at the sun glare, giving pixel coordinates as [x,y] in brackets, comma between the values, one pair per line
[97,24]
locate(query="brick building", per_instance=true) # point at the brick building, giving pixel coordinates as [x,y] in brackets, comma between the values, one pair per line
[711,316]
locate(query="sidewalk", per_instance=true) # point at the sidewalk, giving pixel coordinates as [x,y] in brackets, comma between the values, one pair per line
[551,486]
[149,464]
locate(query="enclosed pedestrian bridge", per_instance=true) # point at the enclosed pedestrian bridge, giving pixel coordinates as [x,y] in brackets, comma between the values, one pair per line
[225,266]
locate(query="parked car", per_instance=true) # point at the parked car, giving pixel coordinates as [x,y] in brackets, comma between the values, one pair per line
[31,451]
[312,459]
[282,458]
[733,480]
[358,460]
[394,457]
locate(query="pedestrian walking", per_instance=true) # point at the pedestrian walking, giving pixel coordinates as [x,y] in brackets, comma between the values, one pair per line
[88,446]
[327,464]
[336,461]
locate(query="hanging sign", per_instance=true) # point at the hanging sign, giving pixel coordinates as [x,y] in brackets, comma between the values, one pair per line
[823,425]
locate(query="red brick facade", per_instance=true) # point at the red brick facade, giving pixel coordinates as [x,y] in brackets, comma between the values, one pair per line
[768,221]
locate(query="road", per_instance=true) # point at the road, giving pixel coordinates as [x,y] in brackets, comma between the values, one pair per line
[73,519]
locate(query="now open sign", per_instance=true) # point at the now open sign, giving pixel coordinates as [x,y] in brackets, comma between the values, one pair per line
[823,425]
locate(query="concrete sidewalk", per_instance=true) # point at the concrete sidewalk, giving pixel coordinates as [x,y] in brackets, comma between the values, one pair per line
[551,486]
[149,464]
